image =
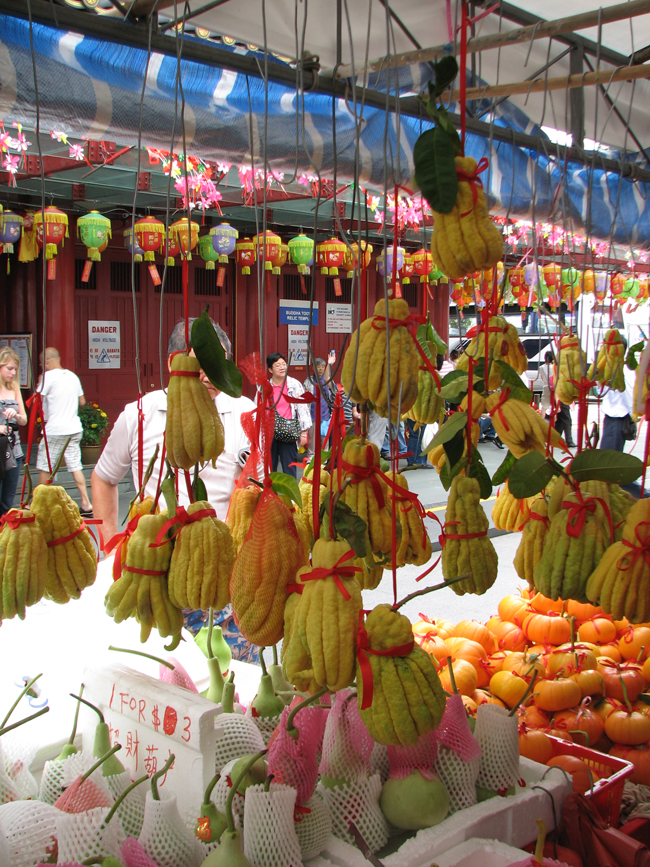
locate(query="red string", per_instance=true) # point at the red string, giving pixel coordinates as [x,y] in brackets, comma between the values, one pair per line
[640,550]
[463,74]
[54,542]
[136,571]
[183,518]
[470,389]
[186,312]
[337,572]
[140,447]
[119,539]
[160,472]
[472,178]
[315,497]
[363,649]
[14,519]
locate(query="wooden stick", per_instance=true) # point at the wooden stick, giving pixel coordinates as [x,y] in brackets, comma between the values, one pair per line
[600,76]
[541,30]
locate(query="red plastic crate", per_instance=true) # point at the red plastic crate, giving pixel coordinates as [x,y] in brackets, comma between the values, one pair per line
[613,772]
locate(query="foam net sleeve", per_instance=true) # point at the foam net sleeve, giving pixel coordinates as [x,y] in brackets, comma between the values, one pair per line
[459,778]
[84,835]
[133,855]
[241,737]
[359,803]
[496,733]
[293,762]
[178,677]
[379,763]
[421,756]
[8,788]
[19,753]
[29,829]
[131,810]
[164,836]
[269,835]
[220,795]
[347,744]
[80,797]
[314,828]
[454,731]
[266,724]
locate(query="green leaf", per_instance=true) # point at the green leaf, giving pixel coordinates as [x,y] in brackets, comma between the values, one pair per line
[630,358]
[478,471]
[503,471]
[456,468]
[518,390]
[454,391]
[446,70]
[605,465]
[435,169]
[479,370]
[445,478]
[449,429]
[198,489]
[352,528]
[426,334]
[530,475]
[324,455]
[454,448]
[283,483]
[222,373]
[451,376]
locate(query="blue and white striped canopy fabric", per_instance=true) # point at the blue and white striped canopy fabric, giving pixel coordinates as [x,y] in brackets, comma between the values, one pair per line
[91,88]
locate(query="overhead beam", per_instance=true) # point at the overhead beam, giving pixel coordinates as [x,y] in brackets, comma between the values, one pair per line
[201,51]
[540,30]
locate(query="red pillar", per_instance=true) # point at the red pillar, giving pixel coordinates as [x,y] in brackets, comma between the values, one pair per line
[439,309]
[61,302]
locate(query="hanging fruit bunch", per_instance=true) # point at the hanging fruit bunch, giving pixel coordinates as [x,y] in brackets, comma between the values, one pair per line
[429,404]
[464,238]
[608,367]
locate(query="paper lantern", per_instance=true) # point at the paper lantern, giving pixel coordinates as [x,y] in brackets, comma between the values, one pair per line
[131,244]
[55,227]
[268,246]
[385,262]
[224,238]
[208,252]
[351,259]
[588,281]
[93,229]
[11,225]
[571,284]
[187,237]
[552,276]
[301,250]
[601,284]
[280,259]
[330,256]
[644,287]
[631,289]
[245,254]
[408,269]
[423,263]
[171,249]
[149,235]
[618,284]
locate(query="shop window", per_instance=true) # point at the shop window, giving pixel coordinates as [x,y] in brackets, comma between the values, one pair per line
[173,281]
[410,294]
[91,285]
[121,277]
[292,287]
[346,291]
[205,282]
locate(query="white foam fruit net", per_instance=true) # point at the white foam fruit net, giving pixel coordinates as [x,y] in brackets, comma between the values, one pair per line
[421,756]
[133,855]
[269,835]
[454,731]
[77,765]
[8,788]
[220,795]
[266,724]
[359,803]
[51,781]
[130,811]
[29,828]
[179,676]
[497,736]
[81,796]
[293,762]
[241,737]
[164,836]
[19,754]
[313,829]
[85,835]
[379,763]
[347,743]
[459,778]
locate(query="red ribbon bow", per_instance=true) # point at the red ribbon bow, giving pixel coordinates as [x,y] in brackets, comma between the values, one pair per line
[183,518]
[359,474]
[363,649]
[578,515]
[473,180]
[118,540]
[640,550]
[53,542]
[337,571]
[14,519]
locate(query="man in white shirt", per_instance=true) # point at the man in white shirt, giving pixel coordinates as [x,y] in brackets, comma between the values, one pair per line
[121,449]
[62,395]
[616,406]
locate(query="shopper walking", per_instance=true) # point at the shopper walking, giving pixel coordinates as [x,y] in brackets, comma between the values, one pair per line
[292,420]
[12,414]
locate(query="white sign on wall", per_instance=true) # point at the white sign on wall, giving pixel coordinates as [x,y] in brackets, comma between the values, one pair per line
[103,344]
[298,335]
[338,318]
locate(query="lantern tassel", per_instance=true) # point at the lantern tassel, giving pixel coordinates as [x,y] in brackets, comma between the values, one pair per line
[245,271]
[209,266]
[334,272]
[223,260]
[50,251]
[149,256]
[170,262]
[7,248]
[137,257]
[94,255]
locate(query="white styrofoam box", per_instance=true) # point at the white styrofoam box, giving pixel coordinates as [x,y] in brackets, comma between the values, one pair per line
[489,853]
[510,819]
[152,720]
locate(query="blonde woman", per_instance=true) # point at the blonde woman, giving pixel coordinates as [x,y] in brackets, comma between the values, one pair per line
[12,413]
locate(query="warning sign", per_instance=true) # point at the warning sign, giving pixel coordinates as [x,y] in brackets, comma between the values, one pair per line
[103,344]
[298,344]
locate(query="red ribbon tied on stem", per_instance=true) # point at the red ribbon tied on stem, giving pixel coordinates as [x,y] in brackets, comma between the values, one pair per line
[359,474]
[363,649]
[640,550]
[14,519]
[183,518]
[118,540]
[578,515]
[472,178]
[337,571]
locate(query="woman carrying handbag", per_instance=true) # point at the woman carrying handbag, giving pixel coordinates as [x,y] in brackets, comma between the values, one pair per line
[292,420]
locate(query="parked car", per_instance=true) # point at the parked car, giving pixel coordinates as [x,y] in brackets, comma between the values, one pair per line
[536,348]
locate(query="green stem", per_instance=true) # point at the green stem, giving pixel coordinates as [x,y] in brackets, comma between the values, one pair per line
[262,663]
[292,731]
[208,792]
[625,695]
[452,679]
[168,489]
[267,782]
[90,705]
[23,692]
[210,628]
[76,718]
[119,800]
[158,775]
[431,589]
[100,762]
[142,653]
[3,731]
[57,465]
[529,689]
[235,785]
[581,732]
[275,654]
